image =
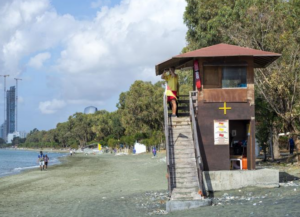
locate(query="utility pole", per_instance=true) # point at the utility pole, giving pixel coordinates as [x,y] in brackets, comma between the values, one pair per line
[4,110]
[16,104]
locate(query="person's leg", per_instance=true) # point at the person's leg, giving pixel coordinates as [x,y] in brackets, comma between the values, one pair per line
[174,106]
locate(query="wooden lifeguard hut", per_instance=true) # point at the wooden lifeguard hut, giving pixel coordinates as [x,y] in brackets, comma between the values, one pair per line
[222,114]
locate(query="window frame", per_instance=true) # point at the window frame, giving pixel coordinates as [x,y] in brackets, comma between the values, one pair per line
[220,69]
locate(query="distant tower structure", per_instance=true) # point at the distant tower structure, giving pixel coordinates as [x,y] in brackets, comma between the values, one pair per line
[4,134]
[90,110]
[10,111]
[16,104]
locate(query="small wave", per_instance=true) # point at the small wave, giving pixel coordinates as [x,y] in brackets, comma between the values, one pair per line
[24,168]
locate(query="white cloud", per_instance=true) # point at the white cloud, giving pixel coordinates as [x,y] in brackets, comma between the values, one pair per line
[27,27]
[38,60]
[122,44]
[98,58]
[50,107]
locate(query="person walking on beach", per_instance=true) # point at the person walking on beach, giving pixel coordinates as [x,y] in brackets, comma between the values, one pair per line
[41,160]
[71,152]
[46,160]
[292,145]
[154,151]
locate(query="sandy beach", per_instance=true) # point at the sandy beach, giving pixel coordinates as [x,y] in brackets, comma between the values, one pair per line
[108,185]
[91,185]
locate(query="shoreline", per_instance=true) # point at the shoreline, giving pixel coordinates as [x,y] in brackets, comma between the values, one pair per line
[21,169]
[51,150]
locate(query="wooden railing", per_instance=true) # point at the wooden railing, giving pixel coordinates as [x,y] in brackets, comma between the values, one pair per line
[199,163]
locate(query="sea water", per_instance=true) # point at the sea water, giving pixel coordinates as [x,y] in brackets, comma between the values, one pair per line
[13,161]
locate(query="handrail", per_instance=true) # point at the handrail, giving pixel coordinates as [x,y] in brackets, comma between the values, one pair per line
[166,124]
[196,143]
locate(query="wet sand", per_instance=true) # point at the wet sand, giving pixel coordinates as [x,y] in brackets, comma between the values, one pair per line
[108,185]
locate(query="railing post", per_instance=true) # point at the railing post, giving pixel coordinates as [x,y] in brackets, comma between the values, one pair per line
[166,125]
[196,142]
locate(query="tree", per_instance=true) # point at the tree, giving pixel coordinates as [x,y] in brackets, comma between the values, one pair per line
[266,25]
[63,133]
[142,107]
[101,124]
[80,125]
[198,16]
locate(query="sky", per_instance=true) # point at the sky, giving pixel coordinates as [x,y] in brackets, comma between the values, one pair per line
[71,54]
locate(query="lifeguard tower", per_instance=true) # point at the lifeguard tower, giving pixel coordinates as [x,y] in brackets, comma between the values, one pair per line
[213,148]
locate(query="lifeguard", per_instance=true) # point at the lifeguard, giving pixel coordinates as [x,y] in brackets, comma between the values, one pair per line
[172,82]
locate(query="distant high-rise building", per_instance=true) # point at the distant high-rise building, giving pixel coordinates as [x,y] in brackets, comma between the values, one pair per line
[90,110]
[10,110]
[2,130]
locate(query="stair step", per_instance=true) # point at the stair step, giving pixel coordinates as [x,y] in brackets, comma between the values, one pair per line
[184,155]
[187,184]
[181,127]
[183,101]
[187,114]
[182,140]
[185,165]
[181,131]
[181,197]
[184,144]
[186,174]
[185,160]
[188,196]
[184,151]
[189,173]
[180,120]
[184,108]
[187,179]
[179,124]
[176,132]
[181,147]
[187,170]
[181,137]
[185,190]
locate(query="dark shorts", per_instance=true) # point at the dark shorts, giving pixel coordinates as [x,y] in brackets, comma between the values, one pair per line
[46,163]
[170,98]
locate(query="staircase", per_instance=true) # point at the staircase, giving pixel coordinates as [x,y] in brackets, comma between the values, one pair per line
[183,175]
[183,108]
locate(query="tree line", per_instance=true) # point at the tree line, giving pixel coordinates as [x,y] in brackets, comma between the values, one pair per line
[139,117]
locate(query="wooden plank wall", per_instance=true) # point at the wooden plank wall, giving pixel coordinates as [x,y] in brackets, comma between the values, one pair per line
[217,157]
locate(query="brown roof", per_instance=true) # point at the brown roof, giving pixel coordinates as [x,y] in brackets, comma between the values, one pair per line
[261,58]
